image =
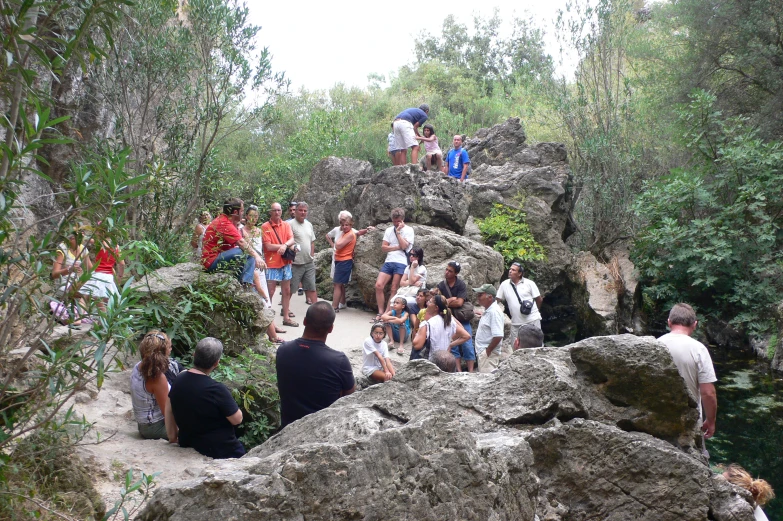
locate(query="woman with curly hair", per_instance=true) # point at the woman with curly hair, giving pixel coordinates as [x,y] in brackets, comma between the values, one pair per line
[149,385]
[760,490]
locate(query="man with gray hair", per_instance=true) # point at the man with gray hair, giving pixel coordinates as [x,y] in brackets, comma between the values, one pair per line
[529,336]
[303,268]
[445,361]
[201,413]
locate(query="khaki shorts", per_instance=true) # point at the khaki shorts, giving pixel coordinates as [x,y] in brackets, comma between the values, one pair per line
[404,136]
[487,364]
[304,273]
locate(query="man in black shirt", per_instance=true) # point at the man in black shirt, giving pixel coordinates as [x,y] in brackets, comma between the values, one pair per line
[311,375]
[201,412]
[456,292]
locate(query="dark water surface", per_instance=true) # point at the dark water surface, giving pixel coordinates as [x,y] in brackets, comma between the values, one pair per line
[749,428]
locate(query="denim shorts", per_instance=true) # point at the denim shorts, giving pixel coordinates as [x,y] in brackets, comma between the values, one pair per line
[393,268]
[465,351]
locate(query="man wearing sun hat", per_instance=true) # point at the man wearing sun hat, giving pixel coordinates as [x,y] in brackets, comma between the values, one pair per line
[489,333]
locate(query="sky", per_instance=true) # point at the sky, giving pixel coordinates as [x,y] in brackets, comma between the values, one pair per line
[320,44]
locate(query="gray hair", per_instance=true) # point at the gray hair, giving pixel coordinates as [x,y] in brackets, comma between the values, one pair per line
[345,214]
[445,361]
[302,204]
[208,352]
[530,336]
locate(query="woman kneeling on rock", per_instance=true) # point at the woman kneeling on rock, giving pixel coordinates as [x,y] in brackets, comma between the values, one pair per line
[149,386]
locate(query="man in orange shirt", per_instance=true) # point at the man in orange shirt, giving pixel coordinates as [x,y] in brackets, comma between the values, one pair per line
[277,237]
[224,249]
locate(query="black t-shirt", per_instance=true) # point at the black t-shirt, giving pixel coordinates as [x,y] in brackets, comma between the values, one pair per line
[459,289]
[201,407]
[310,376]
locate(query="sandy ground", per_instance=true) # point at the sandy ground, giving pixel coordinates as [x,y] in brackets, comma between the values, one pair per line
[114,445]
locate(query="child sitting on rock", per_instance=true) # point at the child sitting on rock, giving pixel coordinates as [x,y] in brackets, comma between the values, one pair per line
[376,364]
[398,327]
[431,147]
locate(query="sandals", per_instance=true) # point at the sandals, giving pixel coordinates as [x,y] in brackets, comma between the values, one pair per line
[290,323]
[290,314]
[400,350]
[376,319]
[336,310]
[280,331]
[277,341]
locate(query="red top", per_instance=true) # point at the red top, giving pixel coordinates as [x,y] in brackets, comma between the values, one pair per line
[221,235]
[346,252]
[106,259]
[283,229]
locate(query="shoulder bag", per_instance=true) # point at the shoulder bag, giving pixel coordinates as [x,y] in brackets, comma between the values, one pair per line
[289,254]
[525,306]
[465,312]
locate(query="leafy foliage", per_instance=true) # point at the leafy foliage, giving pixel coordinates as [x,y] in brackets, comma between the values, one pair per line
[508,233]
[713,230]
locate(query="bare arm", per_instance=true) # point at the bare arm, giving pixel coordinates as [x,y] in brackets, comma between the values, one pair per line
[455,302]
[58,268]
[196,234]
[236,418]
[248,248]
[422,138]
[709,402]
[385,248]
[349,391]
[464,172]
[493,344]
[120,266]
[416,129]
[172,431]
[421,337]
[460,336]
[387,317]
[343,241]
[159,387]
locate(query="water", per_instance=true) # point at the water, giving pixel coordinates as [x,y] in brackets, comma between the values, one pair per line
[749,428]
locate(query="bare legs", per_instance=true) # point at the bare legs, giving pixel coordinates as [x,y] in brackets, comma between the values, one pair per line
[380,285]
[339,295]
[285,290]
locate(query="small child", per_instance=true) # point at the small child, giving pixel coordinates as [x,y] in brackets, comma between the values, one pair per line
[431,147]
[396,317]
[392,150]
[376,365]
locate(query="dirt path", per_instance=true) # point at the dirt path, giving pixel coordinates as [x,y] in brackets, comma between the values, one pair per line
[122,448]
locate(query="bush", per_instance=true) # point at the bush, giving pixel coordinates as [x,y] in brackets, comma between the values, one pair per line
[508,233]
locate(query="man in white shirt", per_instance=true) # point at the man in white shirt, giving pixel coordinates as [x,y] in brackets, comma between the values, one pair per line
[303,268]
[397,241]
[489,333]
[526,290]
[693,362]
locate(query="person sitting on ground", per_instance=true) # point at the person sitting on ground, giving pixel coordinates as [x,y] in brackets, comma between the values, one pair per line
[376,364]
[197,241]
[442,330]
[528,336]
[224,248]
[311,375]
[344,249]
[201,413]
[398,327]
[760,490]
[71,259]
[413,278]
[254,235]
[150,384]
[432,148]
[397,241]
[445,361]
[108,265]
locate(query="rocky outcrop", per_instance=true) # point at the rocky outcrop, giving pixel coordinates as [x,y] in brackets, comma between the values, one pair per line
[239,321]
[556,433]
[480,264]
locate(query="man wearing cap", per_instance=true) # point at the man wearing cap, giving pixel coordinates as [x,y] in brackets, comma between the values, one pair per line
[406,129]
[514,292]
[489,333]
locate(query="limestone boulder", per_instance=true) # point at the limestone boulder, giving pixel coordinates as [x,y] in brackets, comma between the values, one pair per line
[480,263]
[556,433]
[239,321]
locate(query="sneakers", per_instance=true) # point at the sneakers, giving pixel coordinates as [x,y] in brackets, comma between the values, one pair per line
[341,306]
[300,292]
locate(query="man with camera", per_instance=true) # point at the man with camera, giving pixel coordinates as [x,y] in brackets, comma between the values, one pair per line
[279,253]
[521,298]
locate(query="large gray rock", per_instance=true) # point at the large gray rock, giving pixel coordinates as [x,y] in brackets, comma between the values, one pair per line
[239,320]
[553,434]
[480,264]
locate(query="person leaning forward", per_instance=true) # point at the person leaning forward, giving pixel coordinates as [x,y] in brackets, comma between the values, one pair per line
[224,248]
[406,130]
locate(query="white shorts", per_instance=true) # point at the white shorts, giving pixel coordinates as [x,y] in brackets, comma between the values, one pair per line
[404,136]
[100,285]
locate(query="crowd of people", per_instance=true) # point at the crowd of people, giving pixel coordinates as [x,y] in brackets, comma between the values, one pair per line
[189,407]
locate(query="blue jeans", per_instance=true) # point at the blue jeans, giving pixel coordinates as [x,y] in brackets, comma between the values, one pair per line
[237,261]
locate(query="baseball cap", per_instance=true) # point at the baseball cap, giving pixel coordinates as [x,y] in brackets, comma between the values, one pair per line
[486,288]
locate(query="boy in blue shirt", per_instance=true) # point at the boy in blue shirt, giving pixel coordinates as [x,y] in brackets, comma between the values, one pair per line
[457,161]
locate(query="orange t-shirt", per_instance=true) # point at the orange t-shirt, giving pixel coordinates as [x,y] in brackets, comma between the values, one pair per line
[346,252]
[283,229]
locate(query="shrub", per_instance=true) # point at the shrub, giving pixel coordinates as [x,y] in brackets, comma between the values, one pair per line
[508,233]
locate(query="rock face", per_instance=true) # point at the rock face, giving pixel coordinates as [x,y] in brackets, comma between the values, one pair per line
[480,264]
[239,323]
[557,434]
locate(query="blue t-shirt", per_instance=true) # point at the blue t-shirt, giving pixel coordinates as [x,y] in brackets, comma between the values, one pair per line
[407,322]
[413,115]
[456,160]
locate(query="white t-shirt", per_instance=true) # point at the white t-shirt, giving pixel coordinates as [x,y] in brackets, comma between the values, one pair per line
[693,361]
[527,290]
[759,514]
[371,363]
[304,237]
[421,271]
[439,335]
[489,327]
[398,256]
